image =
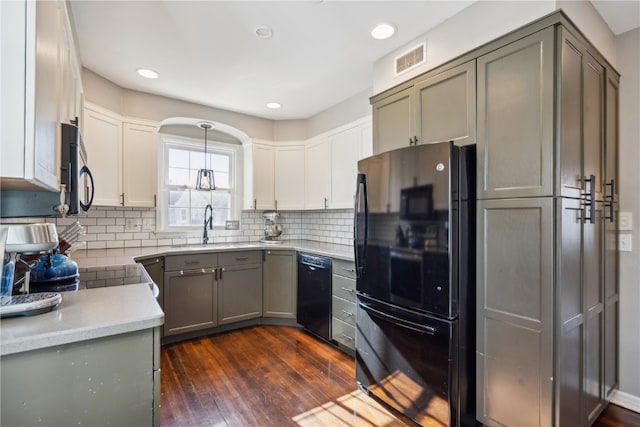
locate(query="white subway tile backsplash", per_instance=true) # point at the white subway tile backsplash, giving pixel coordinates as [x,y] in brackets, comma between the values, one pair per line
[105,228]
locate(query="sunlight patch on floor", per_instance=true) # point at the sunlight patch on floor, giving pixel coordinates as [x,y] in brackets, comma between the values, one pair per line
[353,409]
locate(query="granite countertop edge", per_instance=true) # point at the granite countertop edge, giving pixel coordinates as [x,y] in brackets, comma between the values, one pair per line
[83,315]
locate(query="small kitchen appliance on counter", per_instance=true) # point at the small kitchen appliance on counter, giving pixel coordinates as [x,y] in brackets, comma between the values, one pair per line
[22,242]
[272,230]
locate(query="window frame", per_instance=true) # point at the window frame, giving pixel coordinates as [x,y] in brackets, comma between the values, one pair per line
[234,151]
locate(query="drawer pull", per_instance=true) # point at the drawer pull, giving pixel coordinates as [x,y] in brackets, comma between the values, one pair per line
[347,313]
[195,262]
[242,258]
[348,289]
[192,272]
[350,270]
[346,337]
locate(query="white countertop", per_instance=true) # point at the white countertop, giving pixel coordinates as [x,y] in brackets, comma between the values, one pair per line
[83,315]
[112,257]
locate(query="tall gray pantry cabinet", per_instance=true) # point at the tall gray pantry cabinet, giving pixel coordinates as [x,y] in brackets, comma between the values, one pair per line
[547,261]
[546,107]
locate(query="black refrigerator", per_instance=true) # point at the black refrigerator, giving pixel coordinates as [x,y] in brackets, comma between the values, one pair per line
[414,232]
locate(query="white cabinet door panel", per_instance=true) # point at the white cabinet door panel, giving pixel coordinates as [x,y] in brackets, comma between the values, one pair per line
[103,140]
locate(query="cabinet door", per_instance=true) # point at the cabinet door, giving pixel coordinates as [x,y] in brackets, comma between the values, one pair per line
[610,217]
[289,173]
[515,118]
[515,305]
[571,59]
[593,127]
[264,195]
[189,301]
[317,175]
[279,284]
[571,316]
[393,125]
[446,106]
[139,163]
[103,140]
[344,167]
[240,293]
[46,154]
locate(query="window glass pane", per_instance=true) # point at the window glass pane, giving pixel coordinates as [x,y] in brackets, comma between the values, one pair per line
[200,198]
[197,160]
[179,197]
[178,217]
[178,158]
[222,179]
[178,176]
[220,162]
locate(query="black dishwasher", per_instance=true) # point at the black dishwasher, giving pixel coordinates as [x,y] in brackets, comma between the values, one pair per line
[314,294]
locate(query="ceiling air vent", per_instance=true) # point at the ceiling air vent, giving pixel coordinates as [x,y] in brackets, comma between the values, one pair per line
[411,59]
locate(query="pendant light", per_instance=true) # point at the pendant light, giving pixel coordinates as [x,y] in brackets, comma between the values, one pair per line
[205,181]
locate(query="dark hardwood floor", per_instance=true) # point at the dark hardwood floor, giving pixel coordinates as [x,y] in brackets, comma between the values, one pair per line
[277,376]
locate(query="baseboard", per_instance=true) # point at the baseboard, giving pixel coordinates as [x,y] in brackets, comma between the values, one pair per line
[626,400]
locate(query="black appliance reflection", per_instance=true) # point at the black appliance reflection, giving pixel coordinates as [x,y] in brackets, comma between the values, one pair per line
[415,253]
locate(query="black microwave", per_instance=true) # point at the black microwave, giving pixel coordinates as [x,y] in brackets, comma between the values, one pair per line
[75,174]
[416,203]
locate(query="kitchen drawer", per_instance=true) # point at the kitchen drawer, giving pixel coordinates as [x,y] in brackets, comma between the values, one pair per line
[343,287]
[344,310]
[227,259]
[343,268]
[190,262]
[343,333]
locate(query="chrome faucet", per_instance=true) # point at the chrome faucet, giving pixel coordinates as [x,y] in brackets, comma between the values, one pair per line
[209,221]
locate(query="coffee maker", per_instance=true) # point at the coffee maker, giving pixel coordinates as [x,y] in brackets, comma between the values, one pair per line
[272,230]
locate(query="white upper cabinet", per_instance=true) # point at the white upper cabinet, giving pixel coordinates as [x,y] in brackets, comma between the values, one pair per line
[259,177]
[332,165]
[122,155]
[103,141]
[34,77]
[139,162]
[317,174]
[289,177]
[344,167]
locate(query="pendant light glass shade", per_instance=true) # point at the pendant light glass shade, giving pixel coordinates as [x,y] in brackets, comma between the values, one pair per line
[205,180]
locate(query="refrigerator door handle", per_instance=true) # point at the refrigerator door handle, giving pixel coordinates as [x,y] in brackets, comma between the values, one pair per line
[360,258]
[423,329]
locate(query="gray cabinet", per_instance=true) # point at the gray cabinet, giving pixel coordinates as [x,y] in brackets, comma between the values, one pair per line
[279,277]
[446,106]
[515,118]
[393,121]
[547,247]
[190,293]
[114,380]
[343,304]
[439,106]
[239,286]
[514,335]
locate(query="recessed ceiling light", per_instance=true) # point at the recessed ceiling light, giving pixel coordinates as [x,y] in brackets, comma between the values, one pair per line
[150,74]
[383,31]
[273,105]
[263,32]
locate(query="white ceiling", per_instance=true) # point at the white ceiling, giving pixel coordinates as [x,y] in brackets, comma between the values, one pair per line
[207,51]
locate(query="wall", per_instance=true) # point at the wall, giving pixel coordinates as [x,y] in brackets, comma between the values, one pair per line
[347,111]
[464,32]
[628,54]
[104,93]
